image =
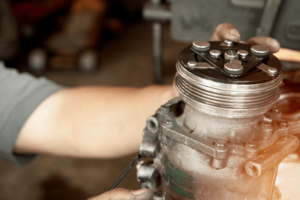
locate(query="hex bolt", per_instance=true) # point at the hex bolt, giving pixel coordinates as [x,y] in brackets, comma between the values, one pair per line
[192,64]
[251,145]
[169,123]
[220,144]
[215,53]
[201,45]
[243,53]
[228,43]
[284,123]
[233,68]
[259,50]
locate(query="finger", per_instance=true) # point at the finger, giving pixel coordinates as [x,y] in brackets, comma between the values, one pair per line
[124,194]
[226,31]
[272,44]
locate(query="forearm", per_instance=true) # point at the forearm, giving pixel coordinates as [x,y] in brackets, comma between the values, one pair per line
[96,122]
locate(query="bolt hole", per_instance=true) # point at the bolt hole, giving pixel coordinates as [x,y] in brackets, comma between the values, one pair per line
[152,124]
[253,170]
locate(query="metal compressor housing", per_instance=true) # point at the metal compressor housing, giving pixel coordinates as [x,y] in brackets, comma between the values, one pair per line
[221,139]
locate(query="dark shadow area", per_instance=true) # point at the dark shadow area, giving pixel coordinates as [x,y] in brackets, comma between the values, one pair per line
[56,187]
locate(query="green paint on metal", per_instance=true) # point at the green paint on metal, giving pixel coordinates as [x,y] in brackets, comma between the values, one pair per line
[179,181]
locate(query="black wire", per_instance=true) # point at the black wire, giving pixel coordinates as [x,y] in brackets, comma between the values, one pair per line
[125,172]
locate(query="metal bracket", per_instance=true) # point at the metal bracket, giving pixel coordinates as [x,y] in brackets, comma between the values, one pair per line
[199,65]
[207,146]
[269,70]
[272,156]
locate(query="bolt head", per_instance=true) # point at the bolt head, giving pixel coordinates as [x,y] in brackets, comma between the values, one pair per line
[228,43]
[233,68]
[201,45]
[192,63]
[243,53]
[215,53]
[284,123]
[259,50]
[220,144]
[169,123]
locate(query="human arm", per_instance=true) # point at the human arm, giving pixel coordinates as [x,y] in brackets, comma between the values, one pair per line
[91,122]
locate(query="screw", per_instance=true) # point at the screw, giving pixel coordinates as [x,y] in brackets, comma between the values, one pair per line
[284,123]
[259,50]
[251,145]
[215,53]
[191,63]
[243,53]
[168,123]
[220,144]
[228,43]
[201,45]
[233,68]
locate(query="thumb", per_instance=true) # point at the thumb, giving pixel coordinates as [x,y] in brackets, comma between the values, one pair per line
[124,194]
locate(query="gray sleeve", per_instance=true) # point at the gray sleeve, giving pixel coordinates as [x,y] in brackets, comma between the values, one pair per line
[20,94]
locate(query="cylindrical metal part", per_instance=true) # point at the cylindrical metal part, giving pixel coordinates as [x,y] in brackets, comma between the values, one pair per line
[259,50]
[243,53]
[228,43]
[147,173]
[201,45]
[215,53]
[233,68]
[157,51]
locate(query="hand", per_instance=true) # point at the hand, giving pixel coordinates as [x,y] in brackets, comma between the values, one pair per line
[123,194]
[226,31]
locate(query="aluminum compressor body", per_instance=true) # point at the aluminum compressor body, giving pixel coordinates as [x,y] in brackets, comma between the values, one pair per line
[222,138]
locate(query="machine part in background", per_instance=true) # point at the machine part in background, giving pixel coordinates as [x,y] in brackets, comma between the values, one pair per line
[37,59]
[88,60]
[222,138]
[9,32]
[158,13]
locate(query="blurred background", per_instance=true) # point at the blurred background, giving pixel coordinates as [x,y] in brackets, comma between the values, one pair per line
[35,37]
